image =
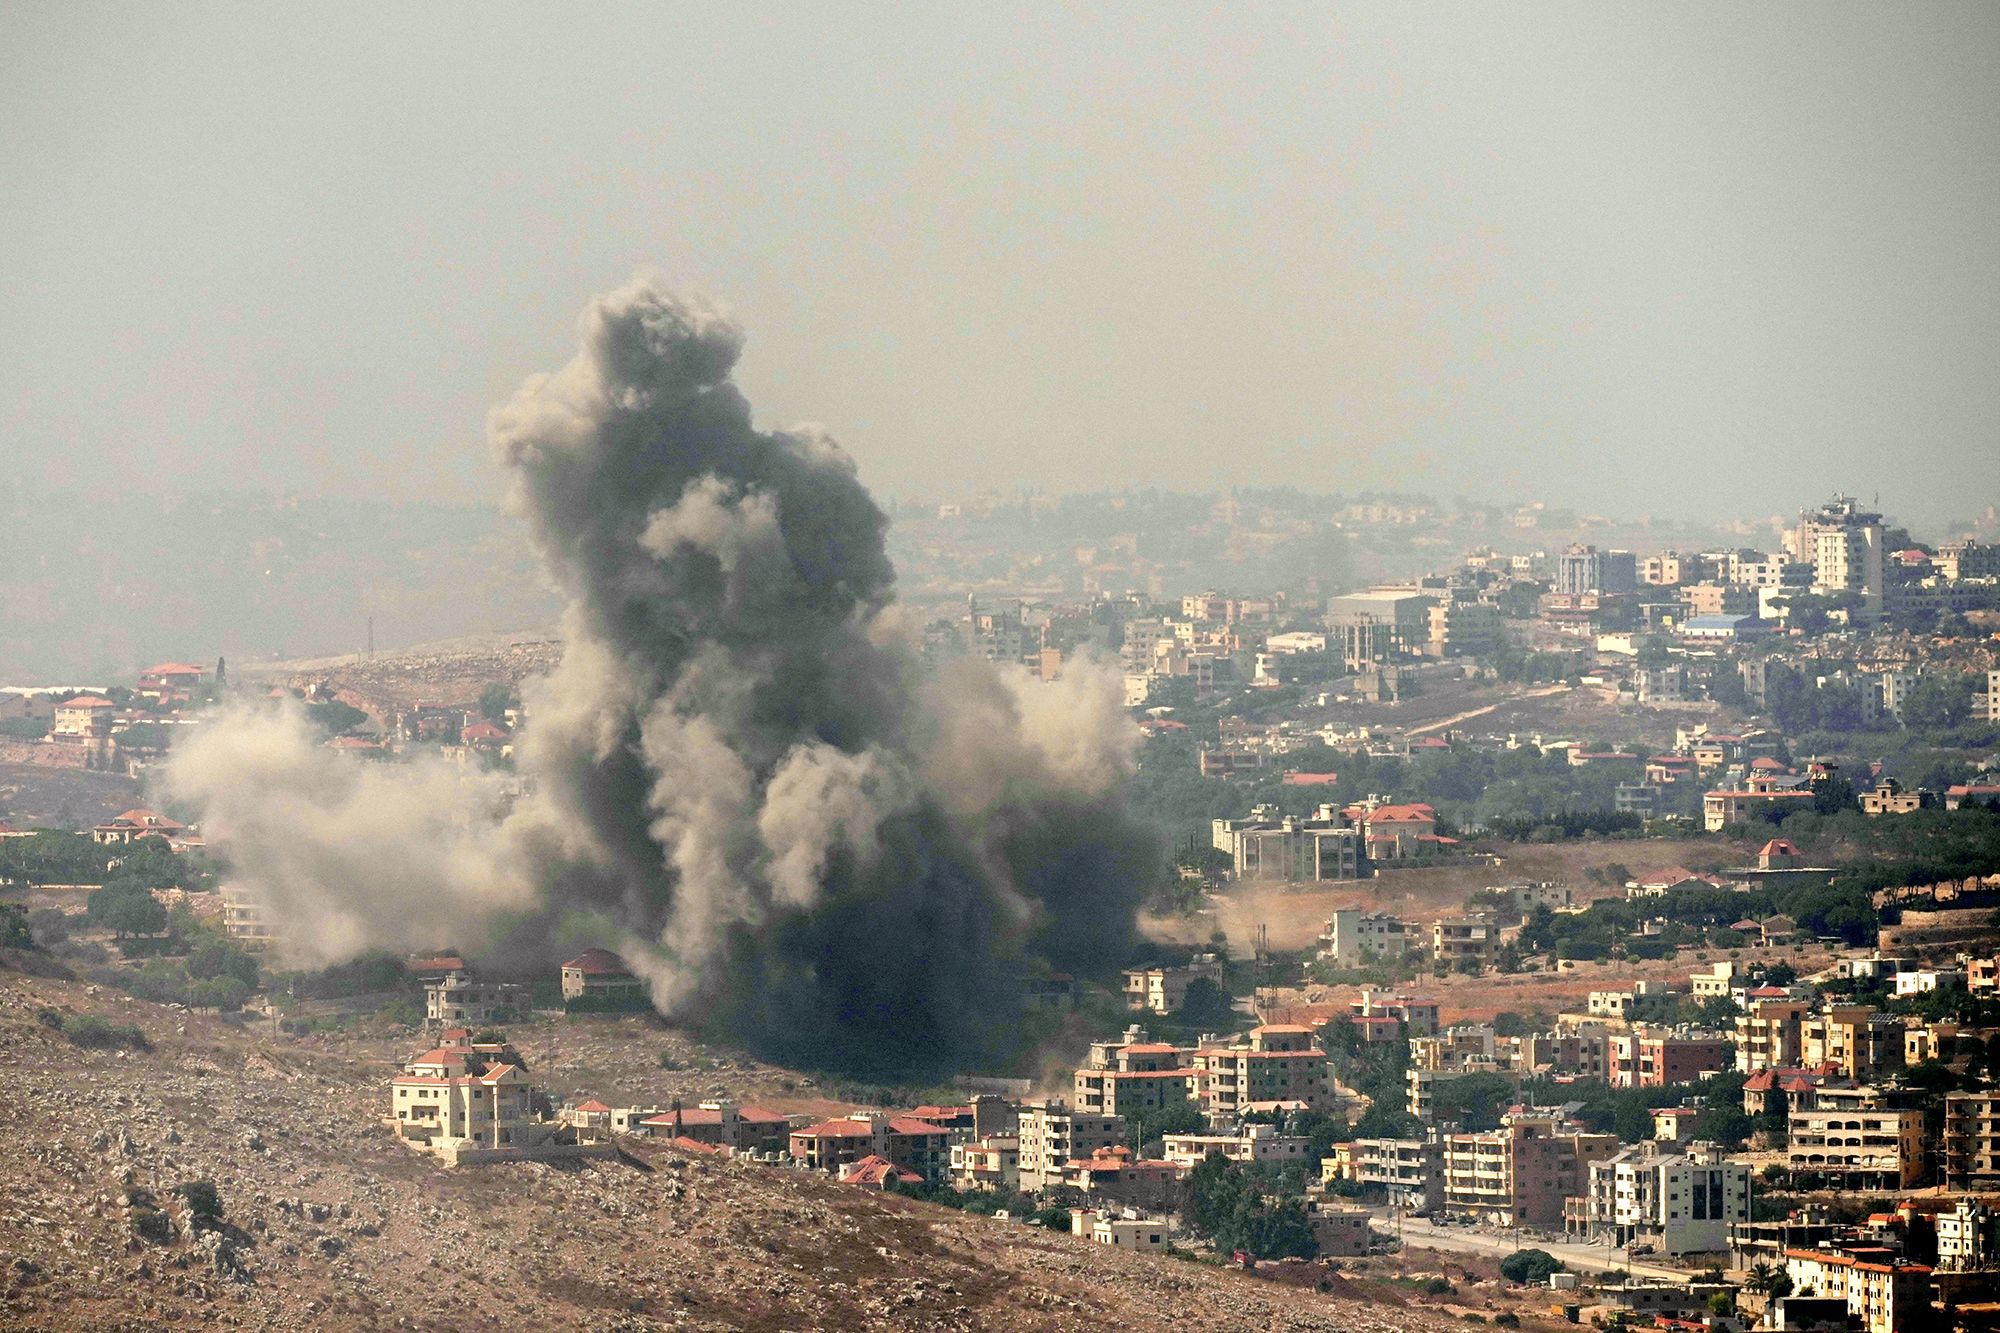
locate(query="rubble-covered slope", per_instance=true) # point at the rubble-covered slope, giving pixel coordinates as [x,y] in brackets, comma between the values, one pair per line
[327,1221]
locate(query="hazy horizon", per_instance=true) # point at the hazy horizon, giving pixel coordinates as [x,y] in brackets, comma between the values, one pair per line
[1681,261]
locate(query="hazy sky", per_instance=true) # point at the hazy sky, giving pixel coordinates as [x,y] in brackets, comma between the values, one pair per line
[1711,257]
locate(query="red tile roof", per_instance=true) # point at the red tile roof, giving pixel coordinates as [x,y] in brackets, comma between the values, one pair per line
[598,963]
[592,1107]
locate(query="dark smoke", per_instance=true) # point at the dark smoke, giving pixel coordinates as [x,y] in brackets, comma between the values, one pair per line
[808,843]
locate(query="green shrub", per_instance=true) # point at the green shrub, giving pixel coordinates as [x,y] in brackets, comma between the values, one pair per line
[203,1199]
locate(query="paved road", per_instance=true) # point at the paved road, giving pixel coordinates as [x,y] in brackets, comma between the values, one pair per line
[1500,1244]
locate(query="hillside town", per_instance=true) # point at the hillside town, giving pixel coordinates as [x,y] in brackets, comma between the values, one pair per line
[1625,918]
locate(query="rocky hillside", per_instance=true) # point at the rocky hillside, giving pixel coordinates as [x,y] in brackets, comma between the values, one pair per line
[327,1221]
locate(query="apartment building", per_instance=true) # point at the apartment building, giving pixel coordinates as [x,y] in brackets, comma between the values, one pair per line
[1464,942]
[1971,1148]
[1883,1293]
[1249,1144]
[1353,937]
[992,1163]
[1843,544]
[1857,1147]
[1052,1134]
[459,999]
[1521,1173]
[1408,1015]
[1860,1042]
[1133,1076]
[1273,846]
[1770,1034]
[1683,1201]
[1653,1058]
[1274,1063]
[912,1144]
[1409,1171]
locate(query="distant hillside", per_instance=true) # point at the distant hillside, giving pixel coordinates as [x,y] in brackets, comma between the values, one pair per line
[93,587]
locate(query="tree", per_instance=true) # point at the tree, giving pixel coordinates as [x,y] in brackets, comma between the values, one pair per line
[496,699]
[203,1199]
[1939,701]
[1206,1007]
[126,909]
[1530,1267]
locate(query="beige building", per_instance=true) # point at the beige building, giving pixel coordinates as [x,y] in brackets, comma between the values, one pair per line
[463,1100]
[1162,990]
[1522,1173]
[1249,1144]
[1971,1139]
[1771,1035]
[1884,1296]
[1856,1148]
[243,919]
[1862,1043]
[1124,1231]
[1274,1063]
[1130,1075]
[600,977]
[992,1163]
[1465,940]
[1053,1134]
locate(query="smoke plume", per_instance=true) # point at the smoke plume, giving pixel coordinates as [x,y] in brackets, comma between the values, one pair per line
[800,836]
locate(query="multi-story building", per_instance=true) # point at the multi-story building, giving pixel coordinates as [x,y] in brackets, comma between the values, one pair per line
[1353,937]
[1883,1293]
[1968,1237]
[1162,990]
[1861,1043]
[1273,846]
[1843,544]
[1275,1063]
[463,1099]
[1404,611]
[912,1144]
[1248,1144]
[1464,941]
[1409,1171]
[600,978]
[1521,1173]
[459,999]
[992,1163]
[1651,1058]
[1857,1148]
[1770,1034]
[1682,1201]
[1133,1076]
[1052,1134]
[724,1124]
[1405,1015]
[1971,1139]
[1585,569]
[1968,560]
[1463,629]
[243,919]
[1117,1175]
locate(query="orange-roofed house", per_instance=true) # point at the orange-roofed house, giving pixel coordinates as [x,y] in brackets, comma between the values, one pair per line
[463,1101]
[915,1145]
[723,1124]
[598,979]
[878,1173]
[134,825]
[1117,1175]
[170,682]
[1394,832]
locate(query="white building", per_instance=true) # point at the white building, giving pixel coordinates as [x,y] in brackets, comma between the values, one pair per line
[1353,936]
[1249,1144]
[1682,1201]
[1126,1232]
